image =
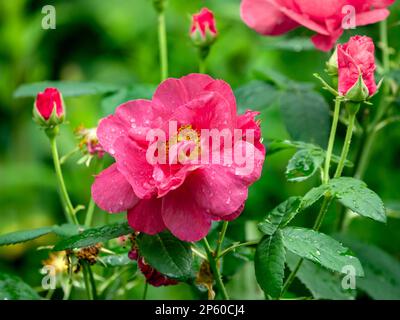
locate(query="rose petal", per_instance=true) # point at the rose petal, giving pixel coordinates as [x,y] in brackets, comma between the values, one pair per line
[146,216]
[112,192]
[183,217]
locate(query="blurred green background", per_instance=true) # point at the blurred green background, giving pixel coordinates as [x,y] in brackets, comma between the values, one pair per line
[116,42]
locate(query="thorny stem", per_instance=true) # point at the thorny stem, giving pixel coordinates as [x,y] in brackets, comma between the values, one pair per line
[237,245]
[221,239]
[215,270]
[327,198]
[87,281]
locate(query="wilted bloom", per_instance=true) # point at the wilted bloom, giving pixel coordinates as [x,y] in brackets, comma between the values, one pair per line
[57,261]
[48,108]
[203,31]
[152,276]
[325,17]
[89,144]
[356,62]
[182,196]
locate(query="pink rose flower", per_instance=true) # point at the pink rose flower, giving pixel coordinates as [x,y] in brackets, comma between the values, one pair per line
[181,197]
[276,17]
[355,58]
[49,104]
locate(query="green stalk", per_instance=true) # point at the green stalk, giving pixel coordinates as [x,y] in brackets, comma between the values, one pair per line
[327,199]
[346,146]
[331,142]
[92,206]
[86,278]
[215,270]
[145,290]
[67,205]
[162,42]
[221,239]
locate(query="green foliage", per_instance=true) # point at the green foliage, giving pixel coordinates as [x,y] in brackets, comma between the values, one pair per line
[351,193]
[306,116]
[382,272]
[269,263]
[280,216]
[67,88]
[137,91]
[320,248]
[27,235]
[355,195]
[256,95]
[304,164]
[92,236]
[13,288]
[322,283]
[167,254]
[23,236]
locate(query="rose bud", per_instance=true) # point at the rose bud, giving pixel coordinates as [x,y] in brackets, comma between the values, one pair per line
[332,64]
[48,110]
[356,67]
[203,31]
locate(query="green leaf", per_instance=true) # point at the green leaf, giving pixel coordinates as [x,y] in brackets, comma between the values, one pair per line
[67,88]
[282,81]
[313,196]
[320,248]
[137,91]
[66,230]
[382,271]
[269,263]
[13,288]
[280,216]
[167,254]
[355,195]
[92,236]
[280,145]
[304,164]
[23,236]
[117,260]
[306,116]
[322,283]
[393,209]
[256,95]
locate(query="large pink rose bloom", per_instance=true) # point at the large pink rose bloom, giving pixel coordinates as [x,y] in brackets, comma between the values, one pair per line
[276,17]
[183,198]
[355,58]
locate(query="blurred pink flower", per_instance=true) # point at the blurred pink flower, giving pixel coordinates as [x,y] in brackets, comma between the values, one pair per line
[182,197]
[276,17]
[355,58]
[47,102]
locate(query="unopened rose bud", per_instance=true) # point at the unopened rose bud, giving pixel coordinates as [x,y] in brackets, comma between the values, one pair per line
[356,63]
[332,64]
[203,31]
[48,110]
